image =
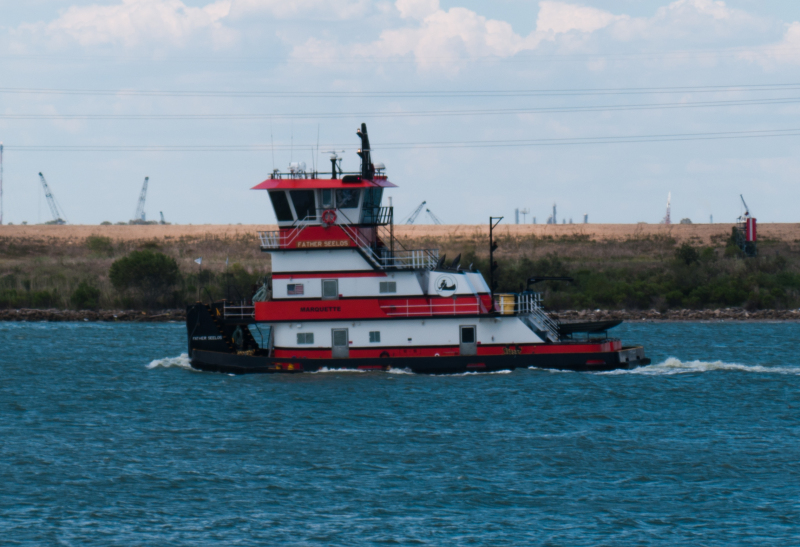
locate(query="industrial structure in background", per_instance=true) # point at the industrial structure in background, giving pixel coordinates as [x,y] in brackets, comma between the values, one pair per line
[140,217]
[745,232]
[552,219]
[433,217]
[668,218]
[1,183]
[412,218]
[55,209]
[586,218]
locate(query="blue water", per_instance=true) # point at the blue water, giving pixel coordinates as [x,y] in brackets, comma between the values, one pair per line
[103,441]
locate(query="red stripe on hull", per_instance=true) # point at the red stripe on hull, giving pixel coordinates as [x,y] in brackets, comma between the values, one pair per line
[369,308]
[447,351]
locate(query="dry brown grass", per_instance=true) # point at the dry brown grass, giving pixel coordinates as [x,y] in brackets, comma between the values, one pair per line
[697,233]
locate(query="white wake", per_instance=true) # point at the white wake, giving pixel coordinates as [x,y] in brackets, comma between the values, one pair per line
[674,365]
[182,361]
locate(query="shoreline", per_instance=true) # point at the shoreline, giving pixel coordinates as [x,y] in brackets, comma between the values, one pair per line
[567,316]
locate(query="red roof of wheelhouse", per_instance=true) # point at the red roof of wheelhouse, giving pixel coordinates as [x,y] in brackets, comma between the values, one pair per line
[314,184]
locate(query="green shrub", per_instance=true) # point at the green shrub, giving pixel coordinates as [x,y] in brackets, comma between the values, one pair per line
[100,245]
[687,254]
[149,274]
[85,297]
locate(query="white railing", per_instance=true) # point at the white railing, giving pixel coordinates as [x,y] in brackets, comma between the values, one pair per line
[432,308]
[278,239]
[529,307]
[416,259]
[238,311]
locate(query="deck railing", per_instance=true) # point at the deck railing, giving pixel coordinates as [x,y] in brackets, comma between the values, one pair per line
[240,310]
[431,308]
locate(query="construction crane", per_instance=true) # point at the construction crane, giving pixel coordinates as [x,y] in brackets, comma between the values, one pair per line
[434,218]
[162,217]
[140,217]
[746,209]
[413,216]
[55,210]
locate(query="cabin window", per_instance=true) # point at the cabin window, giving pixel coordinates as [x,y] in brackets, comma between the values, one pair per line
[375,336]
[387,287]
[304,204]
[372,197]
[347,199]
[372,203]
[294,289]
[327,199]
[281,206]
[305,337]
[330,289]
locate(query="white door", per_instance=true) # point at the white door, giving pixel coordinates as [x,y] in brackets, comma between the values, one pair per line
[340,343]
[469,341]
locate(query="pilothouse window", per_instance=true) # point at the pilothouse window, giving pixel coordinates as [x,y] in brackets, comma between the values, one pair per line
[281,205]
[347,199]
[327,199]
[303,201]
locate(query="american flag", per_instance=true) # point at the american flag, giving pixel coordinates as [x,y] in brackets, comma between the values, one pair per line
[296,289]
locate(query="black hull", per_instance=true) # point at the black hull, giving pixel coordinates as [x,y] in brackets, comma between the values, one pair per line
[232,363]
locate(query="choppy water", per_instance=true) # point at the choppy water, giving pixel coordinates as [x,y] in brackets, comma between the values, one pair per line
[106,438]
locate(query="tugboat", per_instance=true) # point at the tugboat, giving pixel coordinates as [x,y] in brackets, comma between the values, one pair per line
[345,294]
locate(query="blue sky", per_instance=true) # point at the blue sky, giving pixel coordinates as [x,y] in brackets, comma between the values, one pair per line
[410,69]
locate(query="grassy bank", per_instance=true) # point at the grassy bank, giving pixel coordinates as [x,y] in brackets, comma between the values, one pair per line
[640,269]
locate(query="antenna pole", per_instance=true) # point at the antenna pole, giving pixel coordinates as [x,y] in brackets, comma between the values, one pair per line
[492,247]
[272,145]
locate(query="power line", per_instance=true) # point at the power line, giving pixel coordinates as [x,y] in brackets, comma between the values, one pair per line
[404,94]
[403,114]
[571,141]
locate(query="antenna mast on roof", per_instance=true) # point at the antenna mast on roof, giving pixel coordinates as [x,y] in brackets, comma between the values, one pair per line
[367,169]
[336,163]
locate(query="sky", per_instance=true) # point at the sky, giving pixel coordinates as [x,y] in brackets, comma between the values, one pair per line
[602,107]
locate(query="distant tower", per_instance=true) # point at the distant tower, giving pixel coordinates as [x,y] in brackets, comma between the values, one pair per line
[1,183]
[667,218]
[555,221]
[534,220]
[516,216]
[711,219]
[586,218]
[524,213]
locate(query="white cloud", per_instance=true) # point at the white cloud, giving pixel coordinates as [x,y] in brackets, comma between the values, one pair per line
[416,9]
[787,51]
[311,9]
[560,17]
[135,21]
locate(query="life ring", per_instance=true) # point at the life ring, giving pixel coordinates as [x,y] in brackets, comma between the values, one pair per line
[329,217]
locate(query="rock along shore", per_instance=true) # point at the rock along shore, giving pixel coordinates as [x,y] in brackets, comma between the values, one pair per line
[163,316]
[89,315]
